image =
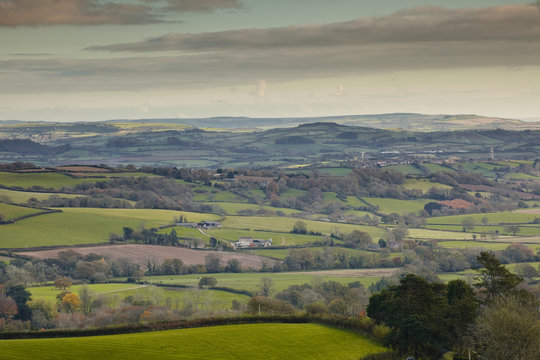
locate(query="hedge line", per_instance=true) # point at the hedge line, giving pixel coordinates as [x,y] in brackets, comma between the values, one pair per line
[359,325]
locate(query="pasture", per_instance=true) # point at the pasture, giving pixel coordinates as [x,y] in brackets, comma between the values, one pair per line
[278,238]
[402,207]
[271,341]
[45,180]
[503,217]
[75,226]
[21,197]
[285,224]
[233,208]
[9,212]
[249,281]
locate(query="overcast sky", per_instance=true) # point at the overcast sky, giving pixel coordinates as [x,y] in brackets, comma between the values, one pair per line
[89,60]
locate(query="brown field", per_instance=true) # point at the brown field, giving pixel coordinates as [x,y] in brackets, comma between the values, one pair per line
[142,253]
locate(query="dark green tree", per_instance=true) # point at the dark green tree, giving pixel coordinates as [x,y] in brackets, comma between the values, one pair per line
[21,297]
[494,279]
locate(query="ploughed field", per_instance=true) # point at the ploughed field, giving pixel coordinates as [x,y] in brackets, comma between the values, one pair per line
[268,341]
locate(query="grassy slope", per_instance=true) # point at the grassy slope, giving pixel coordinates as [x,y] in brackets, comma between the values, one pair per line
[13,211]
[84,226]
[282,224]
[494,218]
[21,197]
[45,180]
[249,281]
[402,207]
[272,341]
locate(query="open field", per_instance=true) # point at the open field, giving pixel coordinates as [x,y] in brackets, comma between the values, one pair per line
[473,244]
[21,197]
[46,180]
[232,208]
[388,206]
[9,212]
[506,217]
[76,226]
[284,224]
[278,238]
[439,234]
[527,230]
[272,341]
[142,253]
[249,281]
[219,300]
[423,184]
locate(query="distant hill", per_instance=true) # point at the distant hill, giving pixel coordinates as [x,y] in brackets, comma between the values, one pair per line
[407,121]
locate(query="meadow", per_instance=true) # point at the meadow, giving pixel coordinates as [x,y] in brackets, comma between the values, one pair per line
[10,212]
[503,217]
[21,197]
[250,281]
[233,208]
[46,180]
[275,341]
[76,226]
[402,207]
[285,224]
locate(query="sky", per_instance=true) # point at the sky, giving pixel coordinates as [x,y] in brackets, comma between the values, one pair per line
[92,60]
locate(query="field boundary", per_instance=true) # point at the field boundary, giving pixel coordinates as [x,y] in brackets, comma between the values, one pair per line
[363,326]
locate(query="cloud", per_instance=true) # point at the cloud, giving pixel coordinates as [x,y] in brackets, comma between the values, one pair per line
[96,12]
[261,89]
[420,24]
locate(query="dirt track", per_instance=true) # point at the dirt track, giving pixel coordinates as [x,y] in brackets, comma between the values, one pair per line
[142,253]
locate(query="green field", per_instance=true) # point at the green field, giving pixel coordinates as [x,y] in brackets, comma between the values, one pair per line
[9,212]
[46,180]
[473,244]
[84,226]
[388,206]
[284,224]
[528,230]
[249,281]
[232,208]
[493,218]
[50,292]
[405,169]
[219,300]
[268,341]
[21,197]
[423,184]
[278,238]
[439,235]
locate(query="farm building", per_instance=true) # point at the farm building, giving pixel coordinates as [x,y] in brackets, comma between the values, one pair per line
[249,242]
[205,224]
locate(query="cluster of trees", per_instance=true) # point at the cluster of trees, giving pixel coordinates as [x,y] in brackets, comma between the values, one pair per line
[495,318]
[146,236]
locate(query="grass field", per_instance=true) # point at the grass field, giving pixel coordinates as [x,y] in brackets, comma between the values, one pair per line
[12,211]
[249,281]
[233,208]
[219,300]
[473,244]
[439,235]
[283,224]
[268,341]
[21,197]
[278,238]
[75,226]
[423,184]
[528,230]
[388,206]
[493,218]
[50,292]
[47,180]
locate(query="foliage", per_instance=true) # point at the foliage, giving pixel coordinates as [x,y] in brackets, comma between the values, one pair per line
[509,328]
[207,281]
[494,279]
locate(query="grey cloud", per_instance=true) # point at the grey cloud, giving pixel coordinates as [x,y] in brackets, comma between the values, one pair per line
[421,24]
[96,12]
[245,68]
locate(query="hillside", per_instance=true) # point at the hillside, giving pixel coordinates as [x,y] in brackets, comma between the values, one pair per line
[184,146]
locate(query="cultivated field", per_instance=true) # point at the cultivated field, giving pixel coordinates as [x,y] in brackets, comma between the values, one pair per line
[271,341]
[142,253]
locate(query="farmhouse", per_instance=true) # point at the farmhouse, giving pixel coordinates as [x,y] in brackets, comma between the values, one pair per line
[249,242]
[205,224]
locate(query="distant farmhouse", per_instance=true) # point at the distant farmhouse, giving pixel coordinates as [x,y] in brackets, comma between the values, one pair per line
[205,224]
[249,242]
